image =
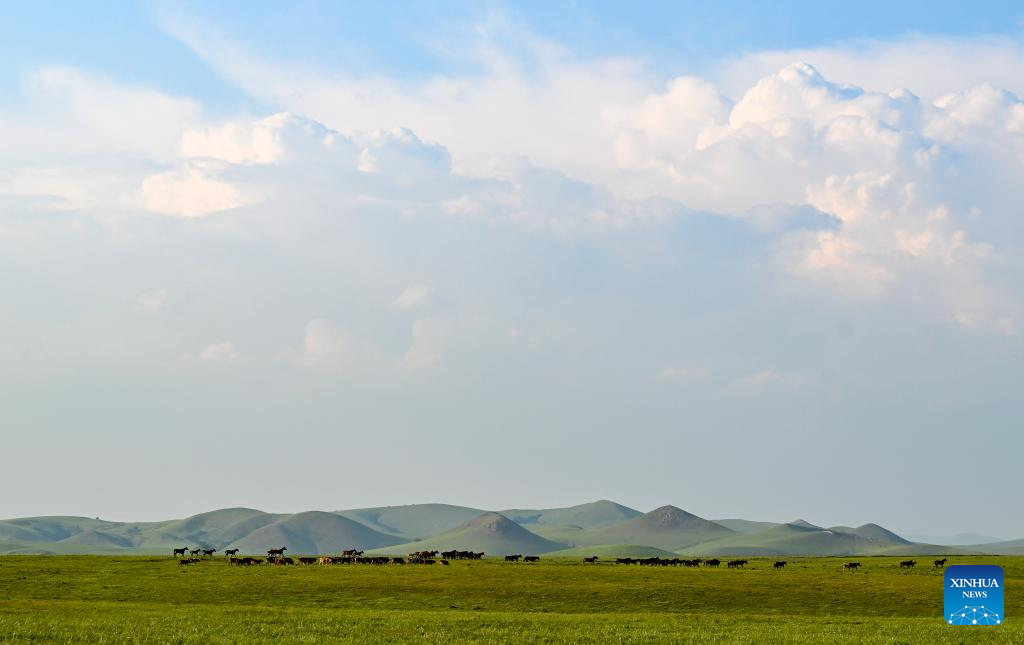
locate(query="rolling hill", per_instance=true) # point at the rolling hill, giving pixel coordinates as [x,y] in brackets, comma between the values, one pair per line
[314,532]
[587,516]
[668,528]
[492,533]
[595,528]
[1008,547]
[412,521]
[745,526]
[802,538]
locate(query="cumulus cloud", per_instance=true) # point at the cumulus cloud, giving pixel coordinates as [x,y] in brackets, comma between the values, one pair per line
[152,301]
[411,298]
[222,351]
[329,346]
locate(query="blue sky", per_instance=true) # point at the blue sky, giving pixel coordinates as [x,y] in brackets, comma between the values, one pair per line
[756,262]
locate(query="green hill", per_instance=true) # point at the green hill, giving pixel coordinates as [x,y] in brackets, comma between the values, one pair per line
[872,532]
[314,532]
[1009,547]
[668,528]
[806,539]
[606,551]
[587,516]
[412,521]
[745,526]
[492,533]
[48,529]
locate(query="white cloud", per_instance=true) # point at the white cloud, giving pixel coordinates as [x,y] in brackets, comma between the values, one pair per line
[411,298]
[152,301]
[762,380]
[222,351]
[188,192]
[328,346]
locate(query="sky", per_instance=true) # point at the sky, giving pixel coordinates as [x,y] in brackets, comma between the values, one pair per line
[759,262]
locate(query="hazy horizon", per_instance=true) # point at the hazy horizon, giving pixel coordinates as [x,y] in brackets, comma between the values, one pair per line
[753,263]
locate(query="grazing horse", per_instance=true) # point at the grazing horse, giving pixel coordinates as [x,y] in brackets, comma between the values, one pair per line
[276,552]
[180,551]
[512,558]
[736,564]
[712,563]
[940,563]
[184,562]
[230,552]
[209,552]
[907,564]
[591,559]
[532,558]
[780,564]
[852,566]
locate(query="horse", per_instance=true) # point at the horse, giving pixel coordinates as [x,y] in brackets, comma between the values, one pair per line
[907,564]
[780,564]
[230,552]
[195,551]
[592,559]
[532,558]
[180,551]
[273,552]
[852,566]
[209,552]
[512,558]
[712,563]
[940,563]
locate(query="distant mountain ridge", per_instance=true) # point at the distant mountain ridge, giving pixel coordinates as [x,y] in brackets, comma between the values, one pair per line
[602,528]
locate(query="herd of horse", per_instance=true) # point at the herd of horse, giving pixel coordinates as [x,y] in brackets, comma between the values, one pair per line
[355,556]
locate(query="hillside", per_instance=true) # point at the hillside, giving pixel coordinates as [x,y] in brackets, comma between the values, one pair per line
[587,516]
[412,521]
[668,528]
[872,532]
[314,532]
[802,538]
[492,533]
[595,525]
[745,526]
[1008,547]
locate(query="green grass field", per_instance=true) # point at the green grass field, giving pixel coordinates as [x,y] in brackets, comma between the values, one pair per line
[104,599]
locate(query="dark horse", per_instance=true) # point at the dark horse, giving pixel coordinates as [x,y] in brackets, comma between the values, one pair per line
[907,564]
[779,564]
[273,552]
[180,551]
[940,563]
[230,552]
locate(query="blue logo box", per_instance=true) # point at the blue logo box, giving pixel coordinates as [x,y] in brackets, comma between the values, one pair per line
[974,594]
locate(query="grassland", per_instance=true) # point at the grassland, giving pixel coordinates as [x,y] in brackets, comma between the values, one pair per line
[104,599]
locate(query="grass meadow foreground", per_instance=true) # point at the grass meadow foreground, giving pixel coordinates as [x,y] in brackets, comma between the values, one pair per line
[108,599]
